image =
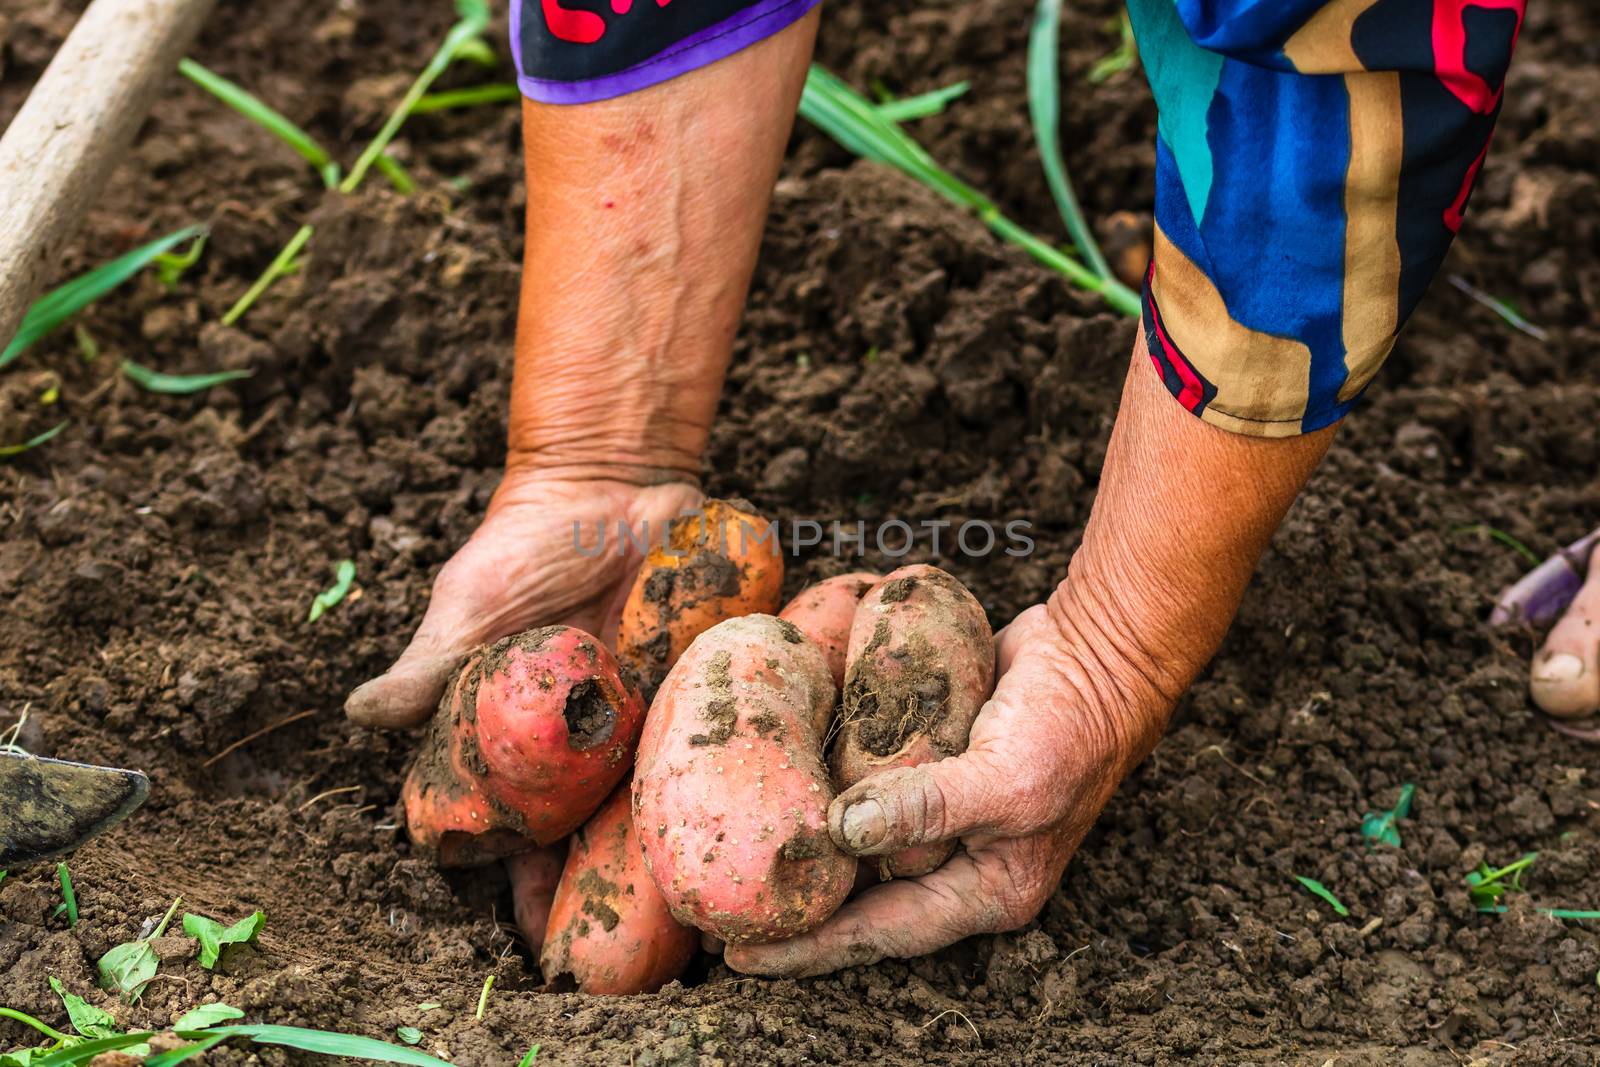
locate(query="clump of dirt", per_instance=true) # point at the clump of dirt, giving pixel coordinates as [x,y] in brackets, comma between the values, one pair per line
[591,719]
[158,557]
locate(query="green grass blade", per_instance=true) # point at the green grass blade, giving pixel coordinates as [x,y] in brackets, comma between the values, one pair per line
[262,114]
[320,1041]
[476,96]
[858,125]
[65,301]
[173,1057]
[922,105]
[527,1061]
[280,265]
[178,384]
[85,1051]
[1320,890]
[1506,312]
[1504,538]
[1044,107]
[1118,59]
[7,451]
[473,22]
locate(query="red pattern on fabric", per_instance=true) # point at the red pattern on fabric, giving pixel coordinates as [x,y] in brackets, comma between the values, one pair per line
[1193,389]
[1450,50]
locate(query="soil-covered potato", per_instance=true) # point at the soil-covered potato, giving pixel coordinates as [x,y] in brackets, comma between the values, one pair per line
[730,795]
[528,740]
[919,666]
[609,929]
[718,564]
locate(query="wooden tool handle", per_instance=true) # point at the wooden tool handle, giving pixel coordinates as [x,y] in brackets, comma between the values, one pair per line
[75,127]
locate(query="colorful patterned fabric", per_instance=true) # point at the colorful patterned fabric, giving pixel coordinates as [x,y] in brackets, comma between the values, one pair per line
[1313,163]
[578,51]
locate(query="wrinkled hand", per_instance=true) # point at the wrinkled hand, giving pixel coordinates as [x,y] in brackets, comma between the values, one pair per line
[1047,752]
[522,569]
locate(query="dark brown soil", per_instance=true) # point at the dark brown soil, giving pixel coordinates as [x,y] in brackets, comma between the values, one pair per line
[158,558]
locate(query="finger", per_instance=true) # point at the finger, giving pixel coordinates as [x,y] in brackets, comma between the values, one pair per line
[407,692]
[1565,676]
[899,919]
[908,806]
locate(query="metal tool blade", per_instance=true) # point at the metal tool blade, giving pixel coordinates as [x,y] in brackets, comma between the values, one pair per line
[49,807]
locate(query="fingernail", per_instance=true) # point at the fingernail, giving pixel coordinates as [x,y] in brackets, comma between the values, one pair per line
[864,824]
[1561,667]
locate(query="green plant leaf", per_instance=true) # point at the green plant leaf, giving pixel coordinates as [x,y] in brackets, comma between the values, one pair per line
[462,38]
[1322,891]
[409,1034]
[128,968]
[177,1055]
[1118,59]
[1379,826]
[178,384]
[87,1019]
[320,1041]
[329,598]
[213,935]
[172,266]
[32,442]
[207,1015]
[65,301]
[858,125]
[527,1061]
[474,96]
[22,1057]
[84,1051]
[923,105]
[1044,109]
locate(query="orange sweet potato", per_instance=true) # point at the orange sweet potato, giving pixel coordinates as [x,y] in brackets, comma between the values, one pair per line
[530,738]
[824,612]
[718,564]
[920,665]
[609,927]
[730,795]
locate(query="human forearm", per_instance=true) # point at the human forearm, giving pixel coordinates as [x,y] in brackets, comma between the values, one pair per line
[1183,513]
[644,215]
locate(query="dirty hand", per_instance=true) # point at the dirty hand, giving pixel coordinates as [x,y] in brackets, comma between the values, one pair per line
[521,569]
[1068,719]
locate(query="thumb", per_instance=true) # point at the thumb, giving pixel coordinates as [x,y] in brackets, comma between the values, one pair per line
[908,806]
[406,693]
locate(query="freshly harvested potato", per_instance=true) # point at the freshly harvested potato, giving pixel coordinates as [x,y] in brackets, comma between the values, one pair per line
[920,665]
[718,564]
[528,741]
[609,928]
[824,612]
[730,795]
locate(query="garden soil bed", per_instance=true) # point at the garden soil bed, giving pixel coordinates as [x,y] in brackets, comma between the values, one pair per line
[158,557]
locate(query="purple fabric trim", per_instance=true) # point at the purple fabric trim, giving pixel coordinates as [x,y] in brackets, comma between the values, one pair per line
[701,49]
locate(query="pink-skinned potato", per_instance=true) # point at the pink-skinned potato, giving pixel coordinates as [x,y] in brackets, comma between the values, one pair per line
[824,612]
[920,665]
[730,794]
[609,928]
[530,738]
